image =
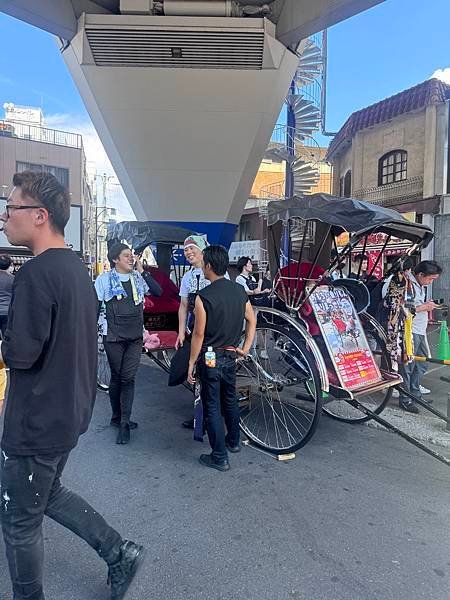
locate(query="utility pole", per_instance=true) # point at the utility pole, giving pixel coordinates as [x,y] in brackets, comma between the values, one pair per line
[104,178]
[101,210]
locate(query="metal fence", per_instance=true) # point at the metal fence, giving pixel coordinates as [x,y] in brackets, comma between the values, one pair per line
[392,193]
[35,133]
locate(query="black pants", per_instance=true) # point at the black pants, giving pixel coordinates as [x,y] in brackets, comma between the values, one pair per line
[219,399]
[31,488]
[123,358]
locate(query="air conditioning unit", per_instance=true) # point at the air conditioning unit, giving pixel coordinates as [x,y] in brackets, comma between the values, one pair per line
[178,42]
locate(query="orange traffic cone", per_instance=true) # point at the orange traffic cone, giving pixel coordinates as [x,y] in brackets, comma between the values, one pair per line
[443,349]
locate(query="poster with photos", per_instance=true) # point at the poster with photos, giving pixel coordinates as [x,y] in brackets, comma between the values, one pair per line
[344,337]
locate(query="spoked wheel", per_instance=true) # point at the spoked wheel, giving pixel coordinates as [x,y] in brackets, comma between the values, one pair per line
[103,370]
[375,401]
[279,391]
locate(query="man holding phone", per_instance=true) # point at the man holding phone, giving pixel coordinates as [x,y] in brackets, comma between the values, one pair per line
[423,275]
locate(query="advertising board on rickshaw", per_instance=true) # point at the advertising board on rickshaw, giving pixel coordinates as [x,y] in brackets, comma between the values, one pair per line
[344,337]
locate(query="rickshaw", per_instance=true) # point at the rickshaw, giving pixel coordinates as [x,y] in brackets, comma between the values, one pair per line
[318,349]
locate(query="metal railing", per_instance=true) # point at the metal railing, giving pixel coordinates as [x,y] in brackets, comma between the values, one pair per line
[272,191]
[283,135]
[392,193]
[36,133]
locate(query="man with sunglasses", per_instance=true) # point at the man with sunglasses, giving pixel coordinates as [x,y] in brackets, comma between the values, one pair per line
[50,347]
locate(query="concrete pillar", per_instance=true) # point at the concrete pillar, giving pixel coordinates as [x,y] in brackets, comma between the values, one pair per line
[441,156]
[358,161]
[186,143]
[429,152]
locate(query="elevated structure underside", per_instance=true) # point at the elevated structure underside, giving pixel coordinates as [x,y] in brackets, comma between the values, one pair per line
[184,94]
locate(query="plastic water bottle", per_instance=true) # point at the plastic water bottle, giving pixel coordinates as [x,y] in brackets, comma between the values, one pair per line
[210,357]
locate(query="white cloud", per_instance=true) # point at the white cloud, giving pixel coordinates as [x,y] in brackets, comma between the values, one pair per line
[96,155]
[442,74]
[6,81]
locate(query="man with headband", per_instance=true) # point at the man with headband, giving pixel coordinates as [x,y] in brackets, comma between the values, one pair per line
[192,282]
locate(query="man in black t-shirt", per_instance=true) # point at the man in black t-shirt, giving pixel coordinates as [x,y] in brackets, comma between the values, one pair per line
[50,347]
[220,310]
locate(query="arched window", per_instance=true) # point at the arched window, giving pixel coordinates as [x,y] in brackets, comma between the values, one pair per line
[392,167]
[348,184]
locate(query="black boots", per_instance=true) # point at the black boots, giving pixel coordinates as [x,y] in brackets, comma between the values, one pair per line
[123,435]
[121,573]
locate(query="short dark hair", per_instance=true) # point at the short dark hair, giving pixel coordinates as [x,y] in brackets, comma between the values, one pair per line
[242,262]
[217,258]
[5,262]
[361,257]
[114,252]
[45,189]
[428,267]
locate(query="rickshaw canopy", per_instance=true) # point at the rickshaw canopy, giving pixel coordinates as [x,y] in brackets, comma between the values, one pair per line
[140,234]
[348,214]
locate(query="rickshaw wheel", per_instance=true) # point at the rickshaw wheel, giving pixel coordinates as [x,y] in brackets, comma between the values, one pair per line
[280,397]
[103,370]
[376,402]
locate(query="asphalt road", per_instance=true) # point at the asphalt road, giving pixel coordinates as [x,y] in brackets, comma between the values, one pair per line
[358,515]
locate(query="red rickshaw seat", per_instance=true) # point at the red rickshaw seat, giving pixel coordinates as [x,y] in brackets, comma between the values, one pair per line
[169,301]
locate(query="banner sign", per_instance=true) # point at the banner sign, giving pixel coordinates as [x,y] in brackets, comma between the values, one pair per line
[344,337]
[250,248]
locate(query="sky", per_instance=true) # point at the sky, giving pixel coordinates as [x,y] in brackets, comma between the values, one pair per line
[371,56]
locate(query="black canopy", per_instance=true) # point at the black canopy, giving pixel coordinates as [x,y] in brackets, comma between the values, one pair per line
[140,234]
[348,214]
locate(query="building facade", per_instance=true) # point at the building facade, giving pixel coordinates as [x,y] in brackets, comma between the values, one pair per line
[395,153]
[25,144]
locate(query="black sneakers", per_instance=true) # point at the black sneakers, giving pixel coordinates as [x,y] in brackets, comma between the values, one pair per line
[121,573]
[208,461]
[409,406]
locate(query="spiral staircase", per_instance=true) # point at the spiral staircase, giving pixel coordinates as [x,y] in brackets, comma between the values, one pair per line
[295,144]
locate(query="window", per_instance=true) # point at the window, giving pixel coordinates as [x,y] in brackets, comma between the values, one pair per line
[348,184]
[392,167]
[61,174]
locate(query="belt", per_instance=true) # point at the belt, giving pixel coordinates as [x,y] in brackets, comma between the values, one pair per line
[221,348]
